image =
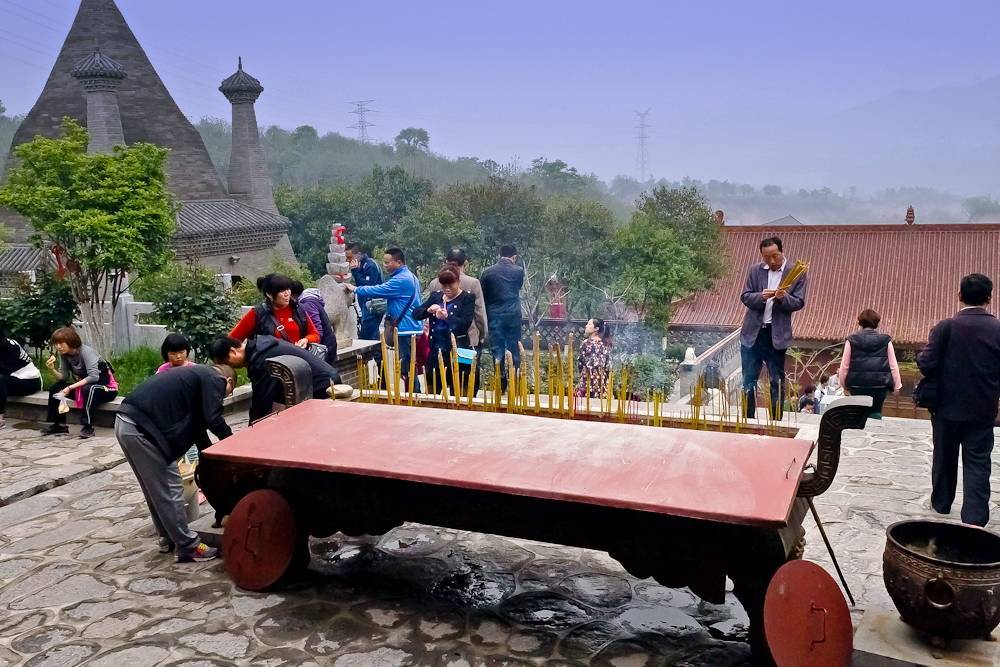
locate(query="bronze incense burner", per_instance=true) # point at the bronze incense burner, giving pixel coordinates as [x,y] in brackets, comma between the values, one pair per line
[944,578]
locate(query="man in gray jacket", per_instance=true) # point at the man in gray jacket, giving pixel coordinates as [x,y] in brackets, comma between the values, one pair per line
[767,324]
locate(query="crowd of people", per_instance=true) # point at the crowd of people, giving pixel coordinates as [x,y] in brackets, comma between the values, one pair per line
[182,402]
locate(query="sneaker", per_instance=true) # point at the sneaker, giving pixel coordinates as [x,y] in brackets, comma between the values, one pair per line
[199,554]
[54,429]
[87,432]
[166,546]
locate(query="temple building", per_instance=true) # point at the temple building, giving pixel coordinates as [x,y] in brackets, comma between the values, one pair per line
[103,79]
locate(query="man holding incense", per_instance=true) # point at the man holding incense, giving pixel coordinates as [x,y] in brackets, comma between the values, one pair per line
[775,288]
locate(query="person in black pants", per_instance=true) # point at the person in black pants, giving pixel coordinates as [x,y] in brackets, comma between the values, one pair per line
[18,374]
[963,356]
[868,366]
[81,369]
[159,421]
[502,284]
[451,311]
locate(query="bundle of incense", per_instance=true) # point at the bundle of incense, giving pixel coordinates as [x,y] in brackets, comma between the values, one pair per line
[797,271]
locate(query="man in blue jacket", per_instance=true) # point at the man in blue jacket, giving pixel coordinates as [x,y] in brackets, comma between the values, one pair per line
[366,273]
[402,294]
[502,292]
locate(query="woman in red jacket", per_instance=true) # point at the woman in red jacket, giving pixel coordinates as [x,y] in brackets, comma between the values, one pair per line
[279,315]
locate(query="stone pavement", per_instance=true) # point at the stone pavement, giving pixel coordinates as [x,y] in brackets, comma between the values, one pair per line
[81,580]
[31,462]
[884,477]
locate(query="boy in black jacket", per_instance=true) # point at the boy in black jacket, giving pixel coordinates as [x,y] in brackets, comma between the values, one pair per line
[253,355]
[156,424]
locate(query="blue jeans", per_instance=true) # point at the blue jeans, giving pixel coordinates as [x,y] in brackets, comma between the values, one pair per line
[753,358]
[505,334]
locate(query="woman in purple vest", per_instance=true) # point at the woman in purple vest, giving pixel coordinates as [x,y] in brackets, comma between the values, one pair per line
[869,366]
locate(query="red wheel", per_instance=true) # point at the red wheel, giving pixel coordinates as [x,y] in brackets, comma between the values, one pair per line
[260,540]
[806,618]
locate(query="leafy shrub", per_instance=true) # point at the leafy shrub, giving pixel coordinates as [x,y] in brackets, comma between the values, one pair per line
[39,308]
[191,301]
[134,366]
[650,372]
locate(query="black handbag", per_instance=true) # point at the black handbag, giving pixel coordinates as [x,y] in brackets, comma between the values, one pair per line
[925,394]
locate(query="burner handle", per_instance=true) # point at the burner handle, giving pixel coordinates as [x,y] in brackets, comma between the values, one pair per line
[849,412]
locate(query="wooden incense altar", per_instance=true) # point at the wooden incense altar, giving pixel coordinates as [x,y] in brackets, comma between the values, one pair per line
[685,507]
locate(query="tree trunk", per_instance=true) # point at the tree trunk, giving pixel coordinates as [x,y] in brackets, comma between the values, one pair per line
[93,322]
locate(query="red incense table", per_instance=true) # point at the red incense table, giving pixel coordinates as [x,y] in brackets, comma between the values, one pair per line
[684,507]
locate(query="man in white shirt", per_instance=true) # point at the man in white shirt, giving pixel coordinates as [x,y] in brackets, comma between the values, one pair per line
[767,325]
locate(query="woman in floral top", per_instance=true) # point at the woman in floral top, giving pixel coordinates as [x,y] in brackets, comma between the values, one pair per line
[595,360]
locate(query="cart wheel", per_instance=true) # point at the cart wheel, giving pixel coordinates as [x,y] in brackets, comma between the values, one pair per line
[260,540]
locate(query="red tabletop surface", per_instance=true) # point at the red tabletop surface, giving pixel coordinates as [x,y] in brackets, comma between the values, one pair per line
[732,478]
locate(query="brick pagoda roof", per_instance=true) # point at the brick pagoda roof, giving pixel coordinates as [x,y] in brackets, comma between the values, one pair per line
[908,273]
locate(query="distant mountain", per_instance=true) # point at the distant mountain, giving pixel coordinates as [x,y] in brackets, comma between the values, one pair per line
[947,138]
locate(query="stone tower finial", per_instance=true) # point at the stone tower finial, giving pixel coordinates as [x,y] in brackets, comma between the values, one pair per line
[910,216]
[100,77]
[241,87]
[249,179]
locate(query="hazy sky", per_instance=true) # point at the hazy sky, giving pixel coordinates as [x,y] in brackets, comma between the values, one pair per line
[516,80]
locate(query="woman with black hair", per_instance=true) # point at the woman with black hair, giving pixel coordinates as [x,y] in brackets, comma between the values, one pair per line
[18,374]
[595,360]
[278,315]
[450,312]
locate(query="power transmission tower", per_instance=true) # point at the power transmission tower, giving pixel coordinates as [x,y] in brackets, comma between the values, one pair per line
[642,157]
[361,110]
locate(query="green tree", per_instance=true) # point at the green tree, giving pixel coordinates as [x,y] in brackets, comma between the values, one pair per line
[667,251]
[428,232]
[38,308]
[506,211]
[574,237]
[190,300]
[556,177]
[106,214]
[370,210]
[412,139]
[218,137]
[313,213]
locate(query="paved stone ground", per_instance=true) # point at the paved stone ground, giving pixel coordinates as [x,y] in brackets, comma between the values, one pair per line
[80,580]
[31,462]
[884,477]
